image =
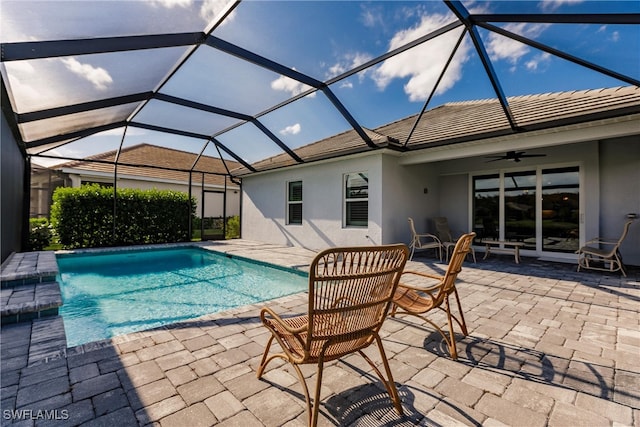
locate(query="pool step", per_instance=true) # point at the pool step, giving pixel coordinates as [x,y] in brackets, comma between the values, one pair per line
[28,287]
[27,302]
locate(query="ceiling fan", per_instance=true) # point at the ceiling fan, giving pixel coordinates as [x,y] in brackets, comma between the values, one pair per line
[516,156]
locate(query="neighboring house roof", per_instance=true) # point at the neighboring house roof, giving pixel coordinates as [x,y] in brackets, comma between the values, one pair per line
[472,120]
[167,164]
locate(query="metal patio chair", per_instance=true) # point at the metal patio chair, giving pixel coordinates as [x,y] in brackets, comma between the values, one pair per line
[423,241]
[605,252]
[446,238]
[350,292]
[420,301]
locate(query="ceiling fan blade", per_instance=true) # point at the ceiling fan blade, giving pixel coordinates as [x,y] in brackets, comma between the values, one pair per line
[516,156]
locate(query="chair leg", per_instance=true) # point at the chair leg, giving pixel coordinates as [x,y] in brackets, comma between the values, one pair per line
[388,383]
[620,265]
[453,351]
[315,409]
[462,322]
[264,361]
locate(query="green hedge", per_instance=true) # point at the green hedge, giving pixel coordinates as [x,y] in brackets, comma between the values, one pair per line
[83,217]
[39,234]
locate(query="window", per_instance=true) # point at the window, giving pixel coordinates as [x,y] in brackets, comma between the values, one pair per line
[356,200]
[294,202]
[486,202]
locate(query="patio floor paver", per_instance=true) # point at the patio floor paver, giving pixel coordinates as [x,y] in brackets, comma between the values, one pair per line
[547,346]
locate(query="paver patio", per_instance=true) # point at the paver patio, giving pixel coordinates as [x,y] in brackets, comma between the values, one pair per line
[547,346]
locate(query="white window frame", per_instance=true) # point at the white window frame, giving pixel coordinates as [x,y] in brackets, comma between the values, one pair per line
[294,202]
[346,200]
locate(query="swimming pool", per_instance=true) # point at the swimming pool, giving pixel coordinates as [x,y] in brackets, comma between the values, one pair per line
[110,294]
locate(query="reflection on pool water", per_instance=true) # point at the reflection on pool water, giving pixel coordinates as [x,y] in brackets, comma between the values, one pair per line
[109,294]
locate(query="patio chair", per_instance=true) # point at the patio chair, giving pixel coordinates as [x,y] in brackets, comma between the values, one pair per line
[350,292]
[420,301]
[423,241]
[446,238]
[605,251]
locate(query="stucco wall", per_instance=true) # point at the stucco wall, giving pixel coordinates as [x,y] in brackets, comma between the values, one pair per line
[12,185]
[264,204]
[610,190]
[408,191]
[620,193]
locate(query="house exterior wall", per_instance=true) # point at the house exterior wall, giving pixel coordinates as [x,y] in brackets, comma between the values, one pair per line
[264,205]
[233,194]
[13,194]
[610,189]
[408,191]
[454,203]
[620,193]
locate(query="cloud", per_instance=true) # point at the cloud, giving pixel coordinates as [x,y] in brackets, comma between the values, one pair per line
[169,4]
[537,61]
[424,63]
[210,10]
[615,36]
[97,76]
[348,62]
[500,47]
[286,84]
[551,5]
[21,73]
[291,130]
[371,18]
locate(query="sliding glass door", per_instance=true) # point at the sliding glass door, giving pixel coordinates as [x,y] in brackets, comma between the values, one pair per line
[520,208]
[561,209]
[538,207]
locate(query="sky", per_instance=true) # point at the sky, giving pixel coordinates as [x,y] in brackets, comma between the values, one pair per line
[321,39]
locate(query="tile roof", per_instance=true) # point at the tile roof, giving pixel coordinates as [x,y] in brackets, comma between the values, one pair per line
[473,120]
[176,162]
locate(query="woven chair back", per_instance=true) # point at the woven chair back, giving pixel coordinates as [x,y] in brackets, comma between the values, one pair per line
[350,291]
[462,248]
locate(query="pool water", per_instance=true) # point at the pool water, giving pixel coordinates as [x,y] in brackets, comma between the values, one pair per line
[111,294]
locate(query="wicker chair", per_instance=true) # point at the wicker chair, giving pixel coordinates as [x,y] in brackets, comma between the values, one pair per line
[605,252]
[420,301]
[350,292]
[446,238]
[423,241]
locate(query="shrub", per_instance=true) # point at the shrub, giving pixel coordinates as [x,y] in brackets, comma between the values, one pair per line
[233,227]
[39,234]
[84,217]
